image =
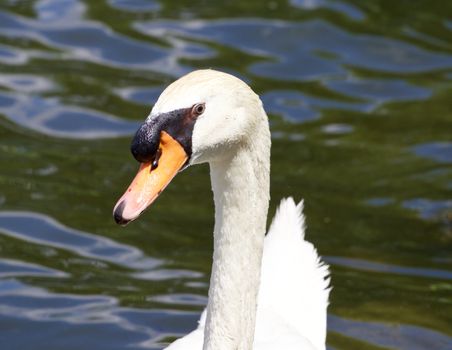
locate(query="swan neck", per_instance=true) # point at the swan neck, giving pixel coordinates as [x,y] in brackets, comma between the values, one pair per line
[241,194]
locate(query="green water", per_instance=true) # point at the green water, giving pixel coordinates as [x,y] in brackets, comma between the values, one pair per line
[359,98]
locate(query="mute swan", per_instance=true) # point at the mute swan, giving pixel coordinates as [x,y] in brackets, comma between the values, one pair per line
[264,294]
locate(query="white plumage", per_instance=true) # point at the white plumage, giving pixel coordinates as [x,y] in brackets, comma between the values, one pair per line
[267,293]
[294,290]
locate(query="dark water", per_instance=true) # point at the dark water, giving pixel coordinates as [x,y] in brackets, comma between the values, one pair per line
[360,100]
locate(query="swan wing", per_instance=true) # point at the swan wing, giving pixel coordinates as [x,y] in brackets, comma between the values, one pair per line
[294,282]
[294,291]
[192,341]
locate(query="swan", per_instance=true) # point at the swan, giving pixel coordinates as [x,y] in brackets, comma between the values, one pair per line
[266,291]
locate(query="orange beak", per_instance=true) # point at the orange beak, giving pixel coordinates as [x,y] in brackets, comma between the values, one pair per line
[151,180]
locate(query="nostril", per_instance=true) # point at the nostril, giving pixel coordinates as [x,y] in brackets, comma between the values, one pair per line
[155,160]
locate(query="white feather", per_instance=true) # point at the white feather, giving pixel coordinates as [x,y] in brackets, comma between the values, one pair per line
[267,293]
[294,281]
[294,290]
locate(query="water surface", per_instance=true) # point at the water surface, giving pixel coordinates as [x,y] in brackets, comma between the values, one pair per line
[359,98]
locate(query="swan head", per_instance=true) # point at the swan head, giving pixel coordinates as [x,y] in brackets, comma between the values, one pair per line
[201,117]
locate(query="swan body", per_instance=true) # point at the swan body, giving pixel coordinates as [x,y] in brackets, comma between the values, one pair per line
[293,295]
[264,294]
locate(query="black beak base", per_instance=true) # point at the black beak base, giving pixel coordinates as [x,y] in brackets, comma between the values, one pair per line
[178,123]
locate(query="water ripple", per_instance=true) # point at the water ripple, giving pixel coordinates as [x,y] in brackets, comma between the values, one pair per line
[86,40]
[50,117]
[298,107]
[52,315]
[380,91]
[339,6]
[428,208]
[182,299]
[135,5]
[166,274]
[440,152]
[366,265]
[60,25]
[139,94]
[26,83]
[322,63]
[59,11]
[15,268]
[11,56]
[393,336]
[337,129]
[287,44]
[38,228]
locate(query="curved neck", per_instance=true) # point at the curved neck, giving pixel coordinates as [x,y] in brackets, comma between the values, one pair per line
[241,193]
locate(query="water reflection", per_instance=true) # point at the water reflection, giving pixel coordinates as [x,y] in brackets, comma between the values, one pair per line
[25,83]
[438,151]
[379,91]
[48,116]
[135,5]
[94,42]
[404,337]
[299,107]
[81,319]
[340,6]
[359,102]
[15,268]
[428,209]
[140,95]
[38,228]
[365,265]
[289,44]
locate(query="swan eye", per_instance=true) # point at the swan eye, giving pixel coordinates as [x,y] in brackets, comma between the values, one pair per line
[199,109]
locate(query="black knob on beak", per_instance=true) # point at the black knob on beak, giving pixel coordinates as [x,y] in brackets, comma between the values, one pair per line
[145,144]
